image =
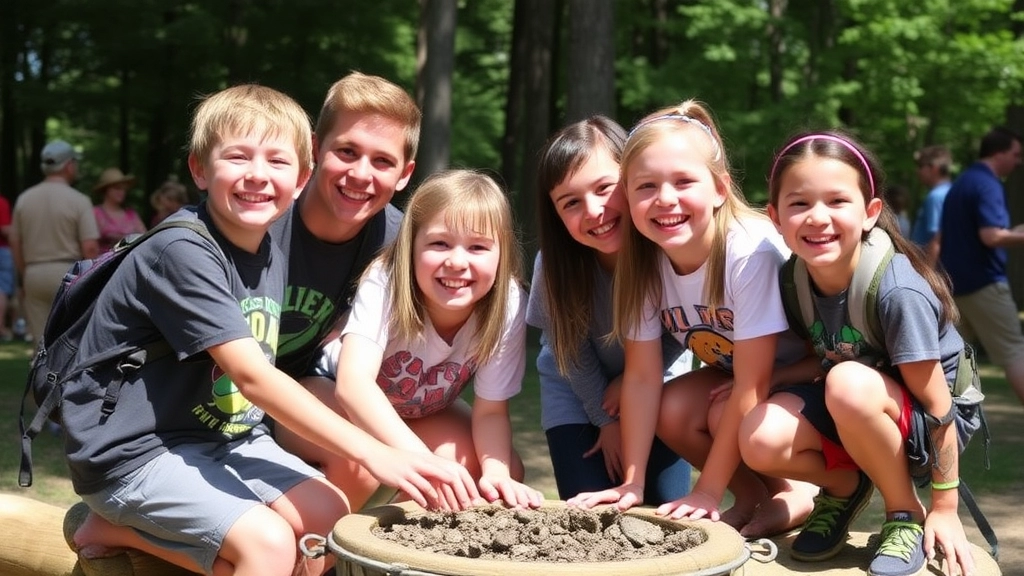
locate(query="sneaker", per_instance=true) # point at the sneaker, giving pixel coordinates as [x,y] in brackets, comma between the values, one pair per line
[824,533]
[901,552]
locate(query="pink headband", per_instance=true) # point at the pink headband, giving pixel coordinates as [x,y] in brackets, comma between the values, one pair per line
[841,141]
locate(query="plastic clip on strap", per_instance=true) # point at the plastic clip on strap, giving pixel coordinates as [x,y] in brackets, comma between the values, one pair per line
[125,368]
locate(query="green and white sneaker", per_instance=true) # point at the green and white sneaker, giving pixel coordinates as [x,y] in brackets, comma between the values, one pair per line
[902,550]
[824,533]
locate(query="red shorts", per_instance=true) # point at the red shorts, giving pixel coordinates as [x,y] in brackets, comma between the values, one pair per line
[836,457]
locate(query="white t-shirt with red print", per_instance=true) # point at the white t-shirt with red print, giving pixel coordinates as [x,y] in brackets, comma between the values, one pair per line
[425,375]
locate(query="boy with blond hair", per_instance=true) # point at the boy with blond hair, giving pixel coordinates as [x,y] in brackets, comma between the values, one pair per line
[184,468]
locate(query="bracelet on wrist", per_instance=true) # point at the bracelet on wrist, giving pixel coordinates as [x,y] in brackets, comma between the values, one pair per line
[946,485]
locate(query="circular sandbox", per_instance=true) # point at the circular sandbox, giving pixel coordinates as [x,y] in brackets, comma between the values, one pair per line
[716,549]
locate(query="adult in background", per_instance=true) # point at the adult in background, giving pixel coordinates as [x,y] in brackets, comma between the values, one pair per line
[975,232]
[168,199]
[53,226]
[115,220]
[934,165]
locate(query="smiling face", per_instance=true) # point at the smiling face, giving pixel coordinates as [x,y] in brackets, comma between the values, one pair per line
[822,216]
[454,269]
[590,204]
[360,165]
[673,196]
[251,181]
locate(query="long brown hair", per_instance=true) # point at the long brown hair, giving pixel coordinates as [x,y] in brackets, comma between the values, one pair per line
[569,267]
[844,148]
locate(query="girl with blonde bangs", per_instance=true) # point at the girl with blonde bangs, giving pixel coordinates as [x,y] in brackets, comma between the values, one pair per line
[471,203]
[440,307]
[699,263]
[581,215]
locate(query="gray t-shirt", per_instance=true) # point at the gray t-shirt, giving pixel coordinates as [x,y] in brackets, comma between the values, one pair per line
[908,312]
[179,287]
[575,398]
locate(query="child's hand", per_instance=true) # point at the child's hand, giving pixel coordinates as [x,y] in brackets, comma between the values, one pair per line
[695,505]
[609,442]
[610,403]
[624,497]
[515,494]
[944,532]
[431,481]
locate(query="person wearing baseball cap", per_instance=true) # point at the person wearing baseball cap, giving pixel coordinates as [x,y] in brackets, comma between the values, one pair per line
[57,155]
[52,226]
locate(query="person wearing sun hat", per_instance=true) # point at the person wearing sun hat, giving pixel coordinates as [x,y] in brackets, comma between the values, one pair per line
[115,220]
[52,226]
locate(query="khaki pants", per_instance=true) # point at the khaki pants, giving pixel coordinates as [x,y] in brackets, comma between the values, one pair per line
[41,283]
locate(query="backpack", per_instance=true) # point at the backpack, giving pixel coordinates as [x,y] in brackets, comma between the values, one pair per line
[57,359]
[862,306]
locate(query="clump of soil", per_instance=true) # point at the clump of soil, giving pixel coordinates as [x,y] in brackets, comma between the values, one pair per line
[546,535]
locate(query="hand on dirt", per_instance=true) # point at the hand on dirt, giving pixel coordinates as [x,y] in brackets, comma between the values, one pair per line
[431,481]
[694,506]
[514,494]
[609,443]
[624,496]
[944,532]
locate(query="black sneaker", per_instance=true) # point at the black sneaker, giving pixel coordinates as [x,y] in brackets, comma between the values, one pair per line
[824,533]
[901,552]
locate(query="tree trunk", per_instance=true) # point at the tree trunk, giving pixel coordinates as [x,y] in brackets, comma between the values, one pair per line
[435,65]
[541,26]
[518,71]
[590,76]
[10,46]
[1014,184]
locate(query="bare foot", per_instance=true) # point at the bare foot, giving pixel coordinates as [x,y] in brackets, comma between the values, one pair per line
[781,513]
[739,515]
[97,538]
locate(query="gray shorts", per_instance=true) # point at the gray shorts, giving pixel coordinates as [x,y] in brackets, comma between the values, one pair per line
[187,499]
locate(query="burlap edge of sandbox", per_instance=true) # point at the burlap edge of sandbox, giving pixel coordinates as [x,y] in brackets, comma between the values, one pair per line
[353,534]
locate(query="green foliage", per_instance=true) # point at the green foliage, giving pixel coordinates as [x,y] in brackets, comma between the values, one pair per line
[120,77]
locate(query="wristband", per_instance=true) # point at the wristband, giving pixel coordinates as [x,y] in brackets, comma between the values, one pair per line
[946,485]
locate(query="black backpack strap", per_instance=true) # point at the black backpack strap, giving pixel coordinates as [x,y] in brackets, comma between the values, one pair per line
[979,518]
[791,298]
[47,406]
[128,366]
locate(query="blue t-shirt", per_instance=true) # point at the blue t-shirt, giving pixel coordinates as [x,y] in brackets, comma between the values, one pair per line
[975,201]
[929,215]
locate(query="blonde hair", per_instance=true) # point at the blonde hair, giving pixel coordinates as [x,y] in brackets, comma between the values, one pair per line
[470,201]
[250,109]
[362,93]
[637,276]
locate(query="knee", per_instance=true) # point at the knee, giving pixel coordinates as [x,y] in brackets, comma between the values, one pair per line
[849,388]
[763,437]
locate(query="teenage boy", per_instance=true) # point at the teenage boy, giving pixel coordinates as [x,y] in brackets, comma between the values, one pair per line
[366,138]
[183,460]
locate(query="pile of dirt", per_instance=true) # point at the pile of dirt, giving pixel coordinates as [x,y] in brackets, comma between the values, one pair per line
[544,535]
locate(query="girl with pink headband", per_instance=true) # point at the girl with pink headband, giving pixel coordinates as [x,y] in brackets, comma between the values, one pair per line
[847,430]
[699,264]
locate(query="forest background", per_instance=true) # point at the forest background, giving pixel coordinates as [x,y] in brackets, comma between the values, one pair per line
[119,78]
